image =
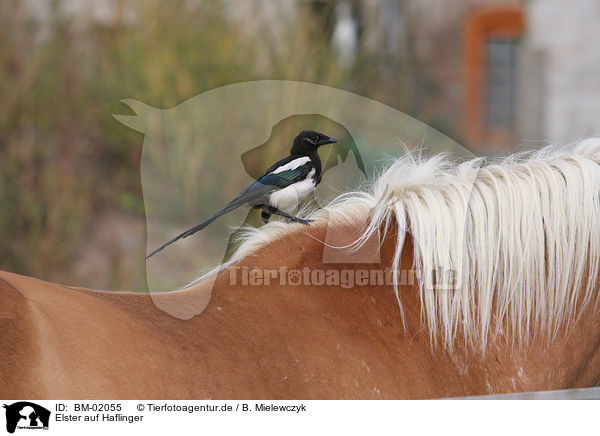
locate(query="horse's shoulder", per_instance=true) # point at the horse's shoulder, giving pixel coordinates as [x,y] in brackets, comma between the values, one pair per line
[17,336]
[8,291]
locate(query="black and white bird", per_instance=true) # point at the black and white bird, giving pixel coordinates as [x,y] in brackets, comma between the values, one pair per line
[281,188]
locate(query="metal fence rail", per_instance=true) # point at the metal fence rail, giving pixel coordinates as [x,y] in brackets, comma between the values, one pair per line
[566,394]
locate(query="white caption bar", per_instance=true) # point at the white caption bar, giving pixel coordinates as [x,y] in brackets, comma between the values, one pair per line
[296,417]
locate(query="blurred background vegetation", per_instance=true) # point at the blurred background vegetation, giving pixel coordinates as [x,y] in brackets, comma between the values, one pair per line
[69,180]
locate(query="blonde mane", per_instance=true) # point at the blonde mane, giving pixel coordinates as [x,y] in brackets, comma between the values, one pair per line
[522,236]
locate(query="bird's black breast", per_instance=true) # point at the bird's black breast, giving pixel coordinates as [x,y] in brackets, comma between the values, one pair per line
[316,163]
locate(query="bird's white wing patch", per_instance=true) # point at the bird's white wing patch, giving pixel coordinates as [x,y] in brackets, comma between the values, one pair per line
[292,165]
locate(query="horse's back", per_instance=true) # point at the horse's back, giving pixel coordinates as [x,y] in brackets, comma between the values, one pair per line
[17,331]
[57,339]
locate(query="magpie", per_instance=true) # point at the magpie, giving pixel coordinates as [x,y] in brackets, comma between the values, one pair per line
[281,188]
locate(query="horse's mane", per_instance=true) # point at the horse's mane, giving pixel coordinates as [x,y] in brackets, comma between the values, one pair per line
[522,235]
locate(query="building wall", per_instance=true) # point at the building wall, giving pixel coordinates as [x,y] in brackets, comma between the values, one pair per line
[564,38]
[435,41]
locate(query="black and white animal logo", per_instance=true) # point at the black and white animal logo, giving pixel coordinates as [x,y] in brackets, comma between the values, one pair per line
[26,415]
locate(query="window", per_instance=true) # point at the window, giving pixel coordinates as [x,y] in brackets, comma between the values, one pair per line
[501,82]
[491,47]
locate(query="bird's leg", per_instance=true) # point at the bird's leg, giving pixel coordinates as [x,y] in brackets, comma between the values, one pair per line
[265,215]
[275,211]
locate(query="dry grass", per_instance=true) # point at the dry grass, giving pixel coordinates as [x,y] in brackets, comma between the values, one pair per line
[65,162]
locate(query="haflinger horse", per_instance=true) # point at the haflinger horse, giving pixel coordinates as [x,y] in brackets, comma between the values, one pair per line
[521,236]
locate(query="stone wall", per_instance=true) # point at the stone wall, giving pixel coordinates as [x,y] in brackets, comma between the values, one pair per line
[565,39]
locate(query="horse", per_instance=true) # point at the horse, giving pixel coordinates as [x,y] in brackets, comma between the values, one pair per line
[519,312]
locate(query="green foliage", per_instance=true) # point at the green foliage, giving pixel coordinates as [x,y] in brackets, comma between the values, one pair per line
[64,160]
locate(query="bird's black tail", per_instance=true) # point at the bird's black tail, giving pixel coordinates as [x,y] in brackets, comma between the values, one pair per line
[227,208]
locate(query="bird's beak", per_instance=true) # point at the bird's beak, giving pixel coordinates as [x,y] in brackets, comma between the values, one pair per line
[327,141]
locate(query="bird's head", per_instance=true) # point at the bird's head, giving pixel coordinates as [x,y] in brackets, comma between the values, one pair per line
[307,141]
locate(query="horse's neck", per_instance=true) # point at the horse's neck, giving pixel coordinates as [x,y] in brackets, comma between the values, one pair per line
[364,321]
[508,363]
